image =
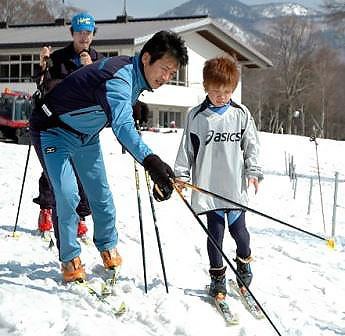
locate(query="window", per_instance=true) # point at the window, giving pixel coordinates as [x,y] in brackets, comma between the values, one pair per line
[26,58]
[166,117]
[15,57]
[18,68]
[14,72]
[110,53]
[23,67]
[26,72]
[4,72]
[4,58]
[180,78]
[163,119]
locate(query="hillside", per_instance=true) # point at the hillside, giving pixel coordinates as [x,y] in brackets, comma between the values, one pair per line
[251,23]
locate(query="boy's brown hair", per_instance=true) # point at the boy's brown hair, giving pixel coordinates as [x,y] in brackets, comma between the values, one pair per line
[221,71]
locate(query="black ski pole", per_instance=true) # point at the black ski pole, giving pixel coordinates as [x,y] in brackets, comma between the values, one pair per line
[313,139]
[137,184]
[224,256]
[156,229]
[21,191]
[244,207]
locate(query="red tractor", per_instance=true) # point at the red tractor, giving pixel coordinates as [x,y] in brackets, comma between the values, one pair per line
[15,110]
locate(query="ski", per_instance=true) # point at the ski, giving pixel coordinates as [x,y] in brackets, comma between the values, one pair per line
[224,309]
[45,235]
[85,239]
[115,310]
[247,300]
[108,286]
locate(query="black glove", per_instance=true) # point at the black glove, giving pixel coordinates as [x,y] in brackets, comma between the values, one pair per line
[162,193]
[160,174]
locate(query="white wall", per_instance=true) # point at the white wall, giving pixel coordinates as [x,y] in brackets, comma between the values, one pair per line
[174,95]
[199,50]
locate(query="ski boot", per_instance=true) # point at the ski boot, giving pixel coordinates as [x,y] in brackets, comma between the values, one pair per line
[73,270]
[112,262]
[111,259]
[244,270]
[218,281]
[45,223]
[82,228]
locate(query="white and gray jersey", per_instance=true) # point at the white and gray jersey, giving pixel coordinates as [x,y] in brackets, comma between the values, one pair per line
[221,152]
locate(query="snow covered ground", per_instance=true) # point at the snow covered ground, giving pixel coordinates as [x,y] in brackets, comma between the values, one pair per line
[299,281]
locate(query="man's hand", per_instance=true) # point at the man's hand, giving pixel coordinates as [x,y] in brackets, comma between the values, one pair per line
[85,58]
[161,193]
[161,174]
[44,55]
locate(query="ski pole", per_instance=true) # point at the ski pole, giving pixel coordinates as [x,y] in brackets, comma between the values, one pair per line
[156,229]
[313,139]
[244,207]
[224,256]
[14,234]
[137,184]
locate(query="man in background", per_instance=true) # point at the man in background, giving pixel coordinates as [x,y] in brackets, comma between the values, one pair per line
[54,67]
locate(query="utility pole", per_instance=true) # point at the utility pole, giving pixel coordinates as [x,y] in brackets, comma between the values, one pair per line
[124,13]
[6,15]
[63,9]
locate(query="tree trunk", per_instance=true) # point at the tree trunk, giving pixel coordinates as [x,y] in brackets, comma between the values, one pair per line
[289,120]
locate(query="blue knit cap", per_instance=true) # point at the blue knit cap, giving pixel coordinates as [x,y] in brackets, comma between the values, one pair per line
[83,21]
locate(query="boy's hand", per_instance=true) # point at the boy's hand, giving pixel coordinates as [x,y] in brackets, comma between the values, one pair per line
[253,181]
[179,185]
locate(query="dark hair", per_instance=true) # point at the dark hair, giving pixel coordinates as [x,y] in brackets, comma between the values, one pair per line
[72,31]
[166,42]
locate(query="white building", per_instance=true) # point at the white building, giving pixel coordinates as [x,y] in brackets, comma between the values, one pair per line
[20,44]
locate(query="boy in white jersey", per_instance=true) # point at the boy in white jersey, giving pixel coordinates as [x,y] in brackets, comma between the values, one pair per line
[219,152]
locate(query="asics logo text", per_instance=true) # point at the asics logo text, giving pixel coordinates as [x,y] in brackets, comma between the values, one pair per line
[222,137]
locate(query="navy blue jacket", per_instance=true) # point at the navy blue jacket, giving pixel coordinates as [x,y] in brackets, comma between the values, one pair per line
[64,61]
[96,95]
[61,63]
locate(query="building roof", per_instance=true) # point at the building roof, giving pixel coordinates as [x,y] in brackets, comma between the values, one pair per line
[132,32]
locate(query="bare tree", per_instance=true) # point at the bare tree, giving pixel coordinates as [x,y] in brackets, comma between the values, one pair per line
[325,64]
[304,89]
[295,44]
[256,93]
[60,10]
[335,10]
[34,11]
[336,102]
[13,11]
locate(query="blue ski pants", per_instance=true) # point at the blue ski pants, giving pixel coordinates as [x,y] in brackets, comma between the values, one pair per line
[238,231]
[60,153]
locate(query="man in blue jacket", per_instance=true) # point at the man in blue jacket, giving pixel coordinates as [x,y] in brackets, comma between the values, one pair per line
[54,67]
[65,133]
